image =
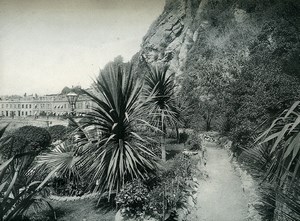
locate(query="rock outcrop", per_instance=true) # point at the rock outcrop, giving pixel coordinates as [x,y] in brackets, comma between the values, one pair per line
[171,36]
[221,36]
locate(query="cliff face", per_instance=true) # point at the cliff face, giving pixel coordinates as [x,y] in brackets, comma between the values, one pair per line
[225,33]
[171,36]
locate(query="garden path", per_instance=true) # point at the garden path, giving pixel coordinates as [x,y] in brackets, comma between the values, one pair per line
[220,196]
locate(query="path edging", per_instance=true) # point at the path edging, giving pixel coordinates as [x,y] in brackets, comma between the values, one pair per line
[249,186]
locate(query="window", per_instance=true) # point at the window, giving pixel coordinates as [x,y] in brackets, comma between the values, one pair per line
[26,106]
[19,105]
[29,105]
[22,106]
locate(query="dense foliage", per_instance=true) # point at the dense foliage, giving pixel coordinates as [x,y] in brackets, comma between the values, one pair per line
[111,148]
[243,67]
[120,153]
[160,196]
[25,139]
[58,132]
[21,187]
[194,142]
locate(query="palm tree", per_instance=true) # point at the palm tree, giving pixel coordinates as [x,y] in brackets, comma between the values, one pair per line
[163,109]
[120,152]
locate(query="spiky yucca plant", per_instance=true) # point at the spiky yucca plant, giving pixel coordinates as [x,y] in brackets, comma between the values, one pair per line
[163,109]
[120,153]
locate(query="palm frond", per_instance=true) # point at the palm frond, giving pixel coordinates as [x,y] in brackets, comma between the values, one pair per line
[163,111]
[120,153]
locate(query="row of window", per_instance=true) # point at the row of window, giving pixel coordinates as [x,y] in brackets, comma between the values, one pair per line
[15,106]
[79,105]
[15,113]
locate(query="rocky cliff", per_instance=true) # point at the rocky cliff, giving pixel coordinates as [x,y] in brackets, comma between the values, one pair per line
[224,33]
[170,37]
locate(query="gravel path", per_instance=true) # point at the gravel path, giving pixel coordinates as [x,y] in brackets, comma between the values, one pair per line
[220,196]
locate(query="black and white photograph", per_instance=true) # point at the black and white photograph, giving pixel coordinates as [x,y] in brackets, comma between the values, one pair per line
[149,110]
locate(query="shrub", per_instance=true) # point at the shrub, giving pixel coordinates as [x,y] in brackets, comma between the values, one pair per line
[57,132]
[183,137]
[133,199]
[161,195]
[25,139]
[64,187]
[194,142]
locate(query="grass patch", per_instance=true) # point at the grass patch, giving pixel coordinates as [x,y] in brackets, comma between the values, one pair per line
[80,210]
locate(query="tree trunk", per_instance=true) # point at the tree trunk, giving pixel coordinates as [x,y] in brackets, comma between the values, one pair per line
[163,149]
[162,140]
[177,134]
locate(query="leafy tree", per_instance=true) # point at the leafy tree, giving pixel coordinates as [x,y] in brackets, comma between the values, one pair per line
[118,62]
[76,89]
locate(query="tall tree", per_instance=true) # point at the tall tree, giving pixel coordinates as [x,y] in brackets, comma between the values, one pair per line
[163,111]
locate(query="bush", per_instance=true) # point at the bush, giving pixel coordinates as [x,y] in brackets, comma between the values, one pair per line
[163,194]
[64,187]
[27,138]
[194,142]
[133,199]
[57,132]
[183,137]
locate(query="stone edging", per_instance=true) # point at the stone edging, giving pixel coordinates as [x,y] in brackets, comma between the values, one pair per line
[191,202]
[249,186]
[73,198]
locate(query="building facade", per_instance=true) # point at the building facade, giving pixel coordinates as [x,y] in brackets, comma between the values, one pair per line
[48,105]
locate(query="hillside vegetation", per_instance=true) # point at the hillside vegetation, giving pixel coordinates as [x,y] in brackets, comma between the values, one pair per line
[237,66]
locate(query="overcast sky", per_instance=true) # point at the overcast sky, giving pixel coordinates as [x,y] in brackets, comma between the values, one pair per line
[48,44]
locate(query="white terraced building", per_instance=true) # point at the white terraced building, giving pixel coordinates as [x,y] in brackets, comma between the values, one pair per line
[48,105]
